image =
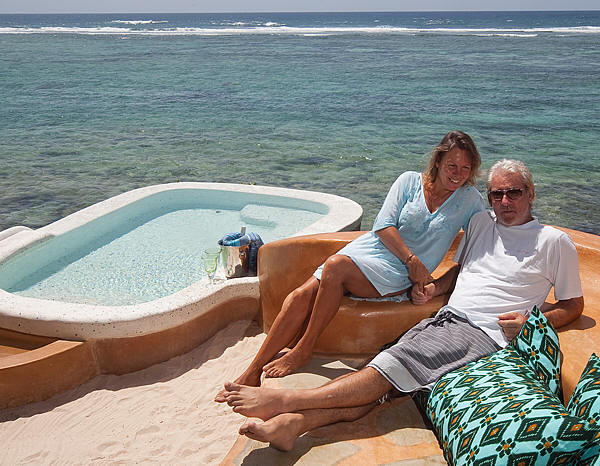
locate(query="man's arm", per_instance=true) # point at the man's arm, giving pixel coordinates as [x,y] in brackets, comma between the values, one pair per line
[563,312]
[442,285]
[560,313]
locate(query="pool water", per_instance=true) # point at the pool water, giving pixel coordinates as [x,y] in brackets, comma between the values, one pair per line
[156,258]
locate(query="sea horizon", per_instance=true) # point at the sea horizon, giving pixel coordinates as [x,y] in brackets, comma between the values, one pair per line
[339,102]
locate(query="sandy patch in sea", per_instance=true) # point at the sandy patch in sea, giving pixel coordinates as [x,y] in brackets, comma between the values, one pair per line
[163,414]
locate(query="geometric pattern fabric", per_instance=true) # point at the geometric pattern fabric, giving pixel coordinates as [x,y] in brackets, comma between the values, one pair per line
[538,344]
[499,410]
[585,401]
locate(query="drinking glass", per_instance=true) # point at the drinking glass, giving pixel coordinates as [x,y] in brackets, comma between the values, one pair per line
[210,260]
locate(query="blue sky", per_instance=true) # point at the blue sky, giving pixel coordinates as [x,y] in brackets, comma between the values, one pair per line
[201,6]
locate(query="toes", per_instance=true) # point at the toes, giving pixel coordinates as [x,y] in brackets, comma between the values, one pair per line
[246,427]
[231,386]
[268,367]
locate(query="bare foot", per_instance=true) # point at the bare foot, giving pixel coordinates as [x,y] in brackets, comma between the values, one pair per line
[260,402]
[286,364]
[280,431]
[251,379]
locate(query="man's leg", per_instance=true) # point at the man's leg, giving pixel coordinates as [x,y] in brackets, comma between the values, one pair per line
[356,389]
[282,430]
[340,275]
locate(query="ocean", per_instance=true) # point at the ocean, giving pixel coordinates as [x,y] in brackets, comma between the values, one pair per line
[95,105]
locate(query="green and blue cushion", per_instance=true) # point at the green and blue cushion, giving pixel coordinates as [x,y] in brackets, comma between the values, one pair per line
[585,402]
[505,409]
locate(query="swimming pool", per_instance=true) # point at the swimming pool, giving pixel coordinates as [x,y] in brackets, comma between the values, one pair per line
[131,265]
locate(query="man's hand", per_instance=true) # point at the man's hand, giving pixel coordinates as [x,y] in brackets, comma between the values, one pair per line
[419,297]
[511,323]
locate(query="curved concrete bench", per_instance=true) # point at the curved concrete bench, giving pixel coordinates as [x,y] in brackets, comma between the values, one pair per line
[362,327]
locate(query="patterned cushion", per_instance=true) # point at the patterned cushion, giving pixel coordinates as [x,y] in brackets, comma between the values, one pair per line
[498,410]
[591,457]
[538,345]
[585,401]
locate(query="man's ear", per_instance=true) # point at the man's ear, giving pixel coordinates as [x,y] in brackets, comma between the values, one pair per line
[531,194]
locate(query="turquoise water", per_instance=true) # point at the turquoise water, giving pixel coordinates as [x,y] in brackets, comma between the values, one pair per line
[156,258]
[95,105]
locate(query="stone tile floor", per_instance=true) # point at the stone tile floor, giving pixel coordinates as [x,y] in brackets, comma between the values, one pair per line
[392,434]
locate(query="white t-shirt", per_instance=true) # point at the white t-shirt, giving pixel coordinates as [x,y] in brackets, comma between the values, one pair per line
[506,269]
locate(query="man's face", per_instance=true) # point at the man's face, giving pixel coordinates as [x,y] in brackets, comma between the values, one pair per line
[515,211]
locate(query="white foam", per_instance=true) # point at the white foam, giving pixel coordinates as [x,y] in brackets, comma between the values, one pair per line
[142,21]
[506,35]
[287,30]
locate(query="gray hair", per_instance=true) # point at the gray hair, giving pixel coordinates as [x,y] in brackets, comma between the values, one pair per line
[512,166]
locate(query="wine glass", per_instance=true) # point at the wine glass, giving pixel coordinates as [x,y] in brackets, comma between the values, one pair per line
[210,260]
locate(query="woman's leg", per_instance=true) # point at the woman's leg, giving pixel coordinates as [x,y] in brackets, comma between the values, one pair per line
[294,313]
[340,275]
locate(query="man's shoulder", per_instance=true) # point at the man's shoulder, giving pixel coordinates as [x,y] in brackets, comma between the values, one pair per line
[481,218]
[553,235]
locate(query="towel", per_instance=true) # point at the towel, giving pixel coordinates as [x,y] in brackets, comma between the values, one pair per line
[252,240]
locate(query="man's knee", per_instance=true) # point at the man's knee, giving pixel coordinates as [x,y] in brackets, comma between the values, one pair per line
[371,380]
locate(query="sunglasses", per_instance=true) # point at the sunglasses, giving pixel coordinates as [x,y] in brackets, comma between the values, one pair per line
[498,194]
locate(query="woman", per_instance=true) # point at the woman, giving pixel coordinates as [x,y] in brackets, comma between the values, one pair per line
[420,218]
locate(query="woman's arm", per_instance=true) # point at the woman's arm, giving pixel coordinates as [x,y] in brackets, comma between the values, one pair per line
[417,272]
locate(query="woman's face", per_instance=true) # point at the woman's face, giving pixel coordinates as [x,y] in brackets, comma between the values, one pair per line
[453,169]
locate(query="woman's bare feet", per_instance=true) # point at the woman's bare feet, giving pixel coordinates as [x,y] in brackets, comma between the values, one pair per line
[260,402]
[249,378]
[280,431]
[287,363]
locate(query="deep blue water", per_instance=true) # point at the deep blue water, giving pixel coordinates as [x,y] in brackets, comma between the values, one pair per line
[94,105]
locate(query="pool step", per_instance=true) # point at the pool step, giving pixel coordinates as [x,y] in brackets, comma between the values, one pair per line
[12,231]
[33,368]
[14,342]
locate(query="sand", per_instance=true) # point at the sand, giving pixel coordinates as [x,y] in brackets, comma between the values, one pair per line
[163,414]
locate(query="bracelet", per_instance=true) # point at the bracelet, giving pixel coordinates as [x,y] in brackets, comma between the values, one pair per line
[410,256]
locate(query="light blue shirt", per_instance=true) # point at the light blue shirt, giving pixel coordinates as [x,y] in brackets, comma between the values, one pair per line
[428,235]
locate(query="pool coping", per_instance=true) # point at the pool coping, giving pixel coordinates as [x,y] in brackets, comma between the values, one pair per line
[74,321]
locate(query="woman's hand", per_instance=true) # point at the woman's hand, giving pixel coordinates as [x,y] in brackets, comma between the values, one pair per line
[421,297]
[418,273]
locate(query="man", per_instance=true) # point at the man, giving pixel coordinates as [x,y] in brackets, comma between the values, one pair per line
[507,263]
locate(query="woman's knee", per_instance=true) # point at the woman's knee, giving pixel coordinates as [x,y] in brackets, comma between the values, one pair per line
[336,266]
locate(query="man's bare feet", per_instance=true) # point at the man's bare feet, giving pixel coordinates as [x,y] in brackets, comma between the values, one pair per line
[260,402]
[249,378]
[280,431]
[286,364]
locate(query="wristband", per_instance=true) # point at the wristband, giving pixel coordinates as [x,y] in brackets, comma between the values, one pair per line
[410,256]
